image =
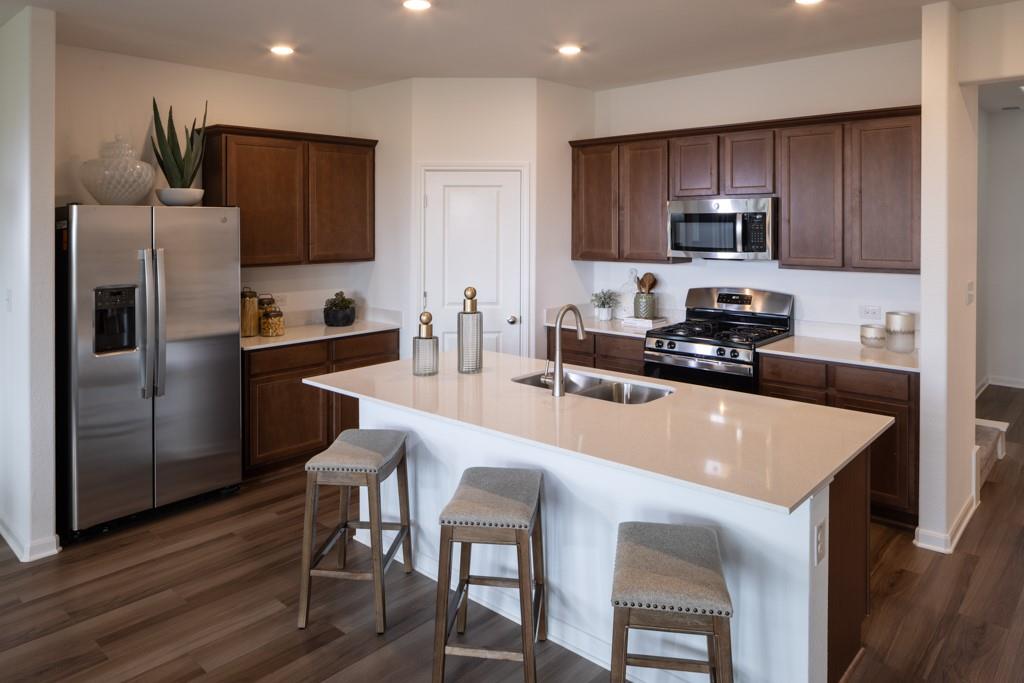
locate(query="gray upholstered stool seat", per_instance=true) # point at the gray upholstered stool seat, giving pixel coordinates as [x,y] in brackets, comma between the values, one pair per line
[371,451]
[672,567]
[503,497]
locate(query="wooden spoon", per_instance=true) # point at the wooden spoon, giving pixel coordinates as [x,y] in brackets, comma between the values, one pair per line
[647,283]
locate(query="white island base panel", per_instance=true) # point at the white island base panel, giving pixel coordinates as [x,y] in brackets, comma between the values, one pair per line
[779,595]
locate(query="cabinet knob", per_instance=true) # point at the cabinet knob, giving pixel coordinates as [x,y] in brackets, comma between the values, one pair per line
[512,320]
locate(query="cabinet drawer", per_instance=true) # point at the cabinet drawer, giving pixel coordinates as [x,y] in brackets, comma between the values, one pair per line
[614,346]
[287,358]
[580,359]
[791,393]
[627,365]
[801,372]
[874,383]
[375,344]
[570,344]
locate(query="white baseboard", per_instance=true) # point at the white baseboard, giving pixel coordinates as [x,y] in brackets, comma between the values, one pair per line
[946,542]
[1002,381]
[982,386]
[36,550]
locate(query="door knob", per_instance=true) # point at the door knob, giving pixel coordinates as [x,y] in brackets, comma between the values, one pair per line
[512,320]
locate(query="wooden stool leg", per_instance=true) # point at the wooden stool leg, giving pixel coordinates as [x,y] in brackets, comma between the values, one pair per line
[538,577]
[465,552]
[376,551]
[620,642]
[345,495]
[308,530]
[403,507]
[723,651]
[526,605]
[444,580]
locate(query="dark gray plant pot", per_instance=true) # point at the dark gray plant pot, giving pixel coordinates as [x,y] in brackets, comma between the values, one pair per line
[334,317]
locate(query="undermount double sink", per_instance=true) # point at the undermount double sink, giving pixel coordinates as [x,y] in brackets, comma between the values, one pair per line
[601,388]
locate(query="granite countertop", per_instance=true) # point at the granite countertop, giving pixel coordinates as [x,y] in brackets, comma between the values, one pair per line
[845,352]
[311,333]
[767,450]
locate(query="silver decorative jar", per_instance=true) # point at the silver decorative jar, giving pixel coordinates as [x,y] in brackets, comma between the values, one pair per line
[424,348]
[899,331]
[872,336]
[471,335]
[117,176]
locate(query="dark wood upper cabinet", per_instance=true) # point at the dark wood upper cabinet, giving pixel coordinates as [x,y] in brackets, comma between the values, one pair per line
[302,197]
[266,179]
[883,194]
[810,174]
[643,177]
[693,166]
[340,203]
[595,203]
[748,162]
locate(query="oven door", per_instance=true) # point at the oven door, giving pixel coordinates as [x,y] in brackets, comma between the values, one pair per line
[733,229]
[704,371]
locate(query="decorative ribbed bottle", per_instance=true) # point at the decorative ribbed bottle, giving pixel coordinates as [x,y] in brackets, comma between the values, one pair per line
[471,334]
[424,348]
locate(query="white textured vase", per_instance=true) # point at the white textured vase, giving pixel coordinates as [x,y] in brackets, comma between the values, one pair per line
[180,196]
[603,313]
[117,177]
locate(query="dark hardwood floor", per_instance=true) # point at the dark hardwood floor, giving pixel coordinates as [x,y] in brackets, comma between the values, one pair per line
[209,593]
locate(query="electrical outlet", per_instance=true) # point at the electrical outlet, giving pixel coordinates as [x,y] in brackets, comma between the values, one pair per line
[820,542]
[870,312]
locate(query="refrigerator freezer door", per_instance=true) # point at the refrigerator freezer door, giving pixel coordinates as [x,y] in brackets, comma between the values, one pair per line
[111,418]
[197,408]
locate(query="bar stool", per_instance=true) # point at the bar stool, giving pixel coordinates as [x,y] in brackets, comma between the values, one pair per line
[499,506]
[668,578]
[358,457]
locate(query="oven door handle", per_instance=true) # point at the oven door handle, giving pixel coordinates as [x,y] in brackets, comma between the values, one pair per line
[700,363]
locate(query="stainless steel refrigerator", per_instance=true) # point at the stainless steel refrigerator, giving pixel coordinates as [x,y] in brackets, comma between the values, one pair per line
[148,359]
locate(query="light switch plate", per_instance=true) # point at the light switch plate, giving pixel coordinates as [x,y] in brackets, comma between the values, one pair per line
[820,542]
[870,313]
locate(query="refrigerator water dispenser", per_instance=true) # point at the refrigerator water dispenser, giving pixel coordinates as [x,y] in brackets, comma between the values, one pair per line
[115,320]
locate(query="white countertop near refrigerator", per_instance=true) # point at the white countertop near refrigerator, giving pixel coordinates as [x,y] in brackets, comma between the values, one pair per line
[312,333]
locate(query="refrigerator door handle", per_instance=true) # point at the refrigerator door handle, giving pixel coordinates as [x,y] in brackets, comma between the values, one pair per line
[147,314]
[160,384]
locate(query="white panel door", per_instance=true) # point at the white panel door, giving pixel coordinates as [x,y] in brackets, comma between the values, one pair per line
[473,236]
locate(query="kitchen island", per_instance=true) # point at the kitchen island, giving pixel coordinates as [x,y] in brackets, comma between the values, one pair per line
[759,470]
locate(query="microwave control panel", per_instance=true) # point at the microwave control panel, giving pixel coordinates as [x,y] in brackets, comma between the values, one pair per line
[755,232]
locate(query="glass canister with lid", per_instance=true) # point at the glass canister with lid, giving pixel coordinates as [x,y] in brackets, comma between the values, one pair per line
[250,323]
[272,322]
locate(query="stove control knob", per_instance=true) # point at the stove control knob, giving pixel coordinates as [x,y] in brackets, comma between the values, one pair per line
[734,354]
[671,345]
[720,352]
[658,344]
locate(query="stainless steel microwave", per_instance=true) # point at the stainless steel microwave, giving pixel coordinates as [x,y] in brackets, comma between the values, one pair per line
[741,229]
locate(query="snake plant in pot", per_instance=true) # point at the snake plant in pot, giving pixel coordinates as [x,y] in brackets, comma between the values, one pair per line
[179,167]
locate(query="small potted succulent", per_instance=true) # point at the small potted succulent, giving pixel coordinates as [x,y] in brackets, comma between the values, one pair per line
[178,166]
[339,311]
[604,301]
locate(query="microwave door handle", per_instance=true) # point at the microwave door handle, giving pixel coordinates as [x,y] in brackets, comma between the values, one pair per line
[160,381]
[739,233]
[145,313]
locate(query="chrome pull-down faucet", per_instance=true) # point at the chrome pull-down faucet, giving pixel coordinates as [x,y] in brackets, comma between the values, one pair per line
[558,378]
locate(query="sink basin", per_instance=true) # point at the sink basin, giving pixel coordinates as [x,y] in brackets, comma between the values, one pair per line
[601,388]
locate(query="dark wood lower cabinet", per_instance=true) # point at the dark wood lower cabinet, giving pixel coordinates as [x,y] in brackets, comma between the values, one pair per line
[286,420]
[895,454]
[602,351]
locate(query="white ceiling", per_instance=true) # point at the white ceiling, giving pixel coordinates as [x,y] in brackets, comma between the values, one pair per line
[356,43]
[1001,96]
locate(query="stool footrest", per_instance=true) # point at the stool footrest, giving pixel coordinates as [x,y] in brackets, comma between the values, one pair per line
[385,526]
[671,663]
[483,653]
[342,574]
[390,556]
[494,581]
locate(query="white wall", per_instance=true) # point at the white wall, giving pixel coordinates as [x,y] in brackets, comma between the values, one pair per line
[563,113]
[102,94]
[990,46]
[27,510]
[826,302]
[1000,245]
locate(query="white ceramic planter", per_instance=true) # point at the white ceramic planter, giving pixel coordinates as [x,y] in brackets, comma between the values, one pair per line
[179,196]
[604,313]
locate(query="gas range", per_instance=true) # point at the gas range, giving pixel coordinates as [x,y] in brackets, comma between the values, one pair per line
[716,344]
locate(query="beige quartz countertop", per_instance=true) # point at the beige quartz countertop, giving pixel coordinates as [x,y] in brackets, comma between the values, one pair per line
[771,451]
[605,327]
[846,352]
[311,333]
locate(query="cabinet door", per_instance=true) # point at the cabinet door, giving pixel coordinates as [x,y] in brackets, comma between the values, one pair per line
[693,164]
[595,203]
[883,194]
[892,474]
[810,172]
[266,180]
[643,197]
[748,162]
[286,418]
[340,203]
[794,393]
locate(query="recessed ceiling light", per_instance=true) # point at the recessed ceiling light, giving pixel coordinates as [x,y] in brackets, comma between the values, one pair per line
[416,5]
[807,2]
[569,50]
[282,50]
